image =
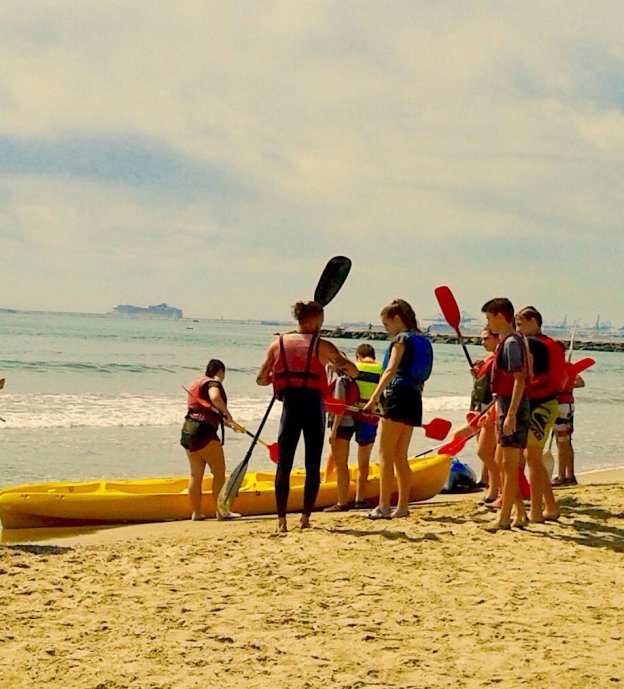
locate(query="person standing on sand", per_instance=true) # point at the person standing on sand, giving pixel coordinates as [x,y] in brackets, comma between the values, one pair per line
[543,390]
[407,365]
[207,411]
[563,429]
[509,375]
[344,426]
[295,366]
[480,399]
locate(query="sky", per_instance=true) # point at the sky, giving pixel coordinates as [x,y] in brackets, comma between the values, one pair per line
[214,155]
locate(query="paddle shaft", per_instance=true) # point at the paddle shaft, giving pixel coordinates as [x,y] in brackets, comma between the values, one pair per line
[329,284]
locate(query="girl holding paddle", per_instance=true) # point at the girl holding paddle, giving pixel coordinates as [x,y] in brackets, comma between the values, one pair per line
[207,411]
[407,365]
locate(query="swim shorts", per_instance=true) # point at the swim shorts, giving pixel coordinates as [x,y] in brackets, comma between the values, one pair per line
[564,425]
[403,404]
[365,433]
[543,416]
[520,436]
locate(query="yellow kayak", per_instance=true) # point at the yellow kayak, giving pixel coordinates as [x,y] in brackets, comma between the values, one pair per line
[166,499]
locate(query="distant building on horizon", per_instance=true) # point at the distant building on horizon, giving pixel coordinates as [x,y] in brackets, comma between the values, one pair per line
[162,310]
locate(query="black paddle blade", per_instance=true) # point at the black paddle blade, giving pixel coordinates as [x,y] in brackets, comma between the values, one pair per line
[332,279]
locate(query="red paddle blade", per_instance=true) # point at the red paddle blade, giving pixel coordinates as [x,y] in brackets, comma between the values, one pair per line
[273,449]
[449,306]
[334,406]
[580,366]
[454,447]
[437,429]
[472,417]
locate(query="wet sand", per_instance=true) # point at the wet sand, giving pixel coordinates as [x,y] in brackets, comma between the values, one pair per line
[430,601]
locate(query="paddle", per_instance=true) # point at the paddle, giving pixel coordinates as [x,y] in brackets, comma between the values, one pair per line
[437,428]
[272,448]
[573,370]
[451,313]
[332,279]
[456,445]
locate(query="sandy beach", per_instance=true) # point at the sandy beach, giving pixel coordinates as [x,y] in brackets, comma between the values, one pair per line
[429,601]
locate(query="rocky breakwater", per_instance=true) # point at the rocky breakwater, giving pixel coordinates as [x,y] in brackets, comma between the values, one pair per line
[443,338]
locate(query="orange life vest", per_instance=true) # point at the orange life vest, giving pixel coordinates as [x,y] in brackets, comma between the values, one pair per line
[298,364]
[198,411]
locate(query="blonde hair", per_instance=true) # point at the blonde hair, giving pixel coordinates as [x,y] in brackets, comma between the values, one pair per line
[400,308]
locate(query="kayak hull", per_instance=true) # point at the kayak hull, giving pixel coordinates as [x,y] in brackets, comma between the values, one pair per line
[166,499]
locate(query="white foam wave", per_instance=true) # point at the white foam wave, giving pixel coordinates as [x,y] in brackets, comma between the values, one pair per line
[110,411]
[448,403]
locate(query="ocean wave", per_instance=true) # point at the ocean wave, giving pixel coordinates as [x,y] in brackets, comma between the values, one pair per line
[63,410]
[110,411]
[84,367]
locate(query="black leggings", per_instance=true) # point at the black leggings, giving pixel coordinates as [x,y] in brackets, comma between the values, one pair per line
[303,410]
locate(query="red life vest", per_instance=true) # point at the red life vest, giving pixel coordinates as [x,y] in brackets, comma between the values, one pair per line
[298,364]
[352,392]
[547,384]
[502,381]
[197,410]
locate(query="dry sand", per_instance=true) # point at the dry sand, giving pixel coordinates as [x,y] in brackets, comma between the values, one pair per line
[430,601]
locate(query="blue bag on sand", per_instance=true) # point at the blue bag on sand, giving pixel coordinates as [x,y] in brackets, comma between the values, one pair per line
[461,478]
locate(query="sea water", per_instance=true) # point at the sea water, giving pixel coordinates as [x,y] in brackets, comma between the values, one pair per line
[90,397]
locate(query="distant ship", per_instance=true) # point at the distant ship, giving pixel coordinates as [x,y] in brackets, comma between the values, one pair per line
[162,310]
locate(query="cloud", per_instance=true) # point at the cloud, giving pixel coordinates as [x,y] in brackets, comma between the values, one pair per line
[209,148]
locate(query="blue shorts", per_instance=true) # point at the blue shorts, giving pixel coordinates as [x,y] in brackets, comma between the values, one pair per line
[365,433]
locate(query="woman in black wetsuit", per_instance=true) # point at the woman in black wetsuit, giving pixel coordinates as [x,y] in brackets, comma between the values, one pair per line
[295,365]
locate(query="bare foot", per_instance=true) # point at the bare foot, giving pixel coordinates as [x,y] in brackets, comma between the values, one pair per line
[197,517]
[496,526]
[552,516]
[537,519]
[305,522]
[282,527]
[520,522]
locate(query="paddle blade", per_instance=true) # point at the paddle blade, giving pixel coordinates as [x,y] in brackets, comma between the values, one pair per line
[334,406]
[437,429]
[332,279]
[580,366]
[454,446]
[273,449]
[449,306]
[231,487]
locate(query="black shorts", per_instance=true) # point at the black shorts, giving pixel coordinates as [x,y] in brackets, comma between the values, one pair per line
[520,436]
[403,404]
